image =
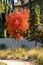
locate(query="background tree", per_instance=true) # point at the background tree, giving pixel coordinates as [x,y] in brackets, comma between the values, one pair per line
[22,3]
[4,10]
[34,33]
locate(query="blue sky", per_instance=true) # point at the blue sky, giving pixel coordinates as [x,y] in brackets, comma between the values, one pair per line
[15,0]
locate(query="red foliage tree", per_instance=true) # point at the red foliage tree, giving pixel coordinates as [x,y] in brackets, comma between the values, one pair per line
[17,23]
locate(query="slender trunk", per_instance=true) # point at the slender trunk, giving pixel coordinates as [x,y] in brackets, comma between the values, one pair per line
[13,44]
[30,4]
[16,43]
[35,43]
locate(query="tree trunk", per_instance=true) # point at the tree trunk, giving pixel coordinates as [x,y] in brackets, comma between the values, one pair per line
[13,44]
[35,43]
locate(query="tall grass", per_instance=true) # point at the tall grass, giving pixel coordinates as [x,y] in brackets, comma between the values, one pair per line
[23,53]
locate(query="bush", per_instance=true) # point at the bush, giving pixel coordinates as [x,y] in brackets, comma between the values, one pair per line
[20,53]
[6,54]
[32,54]
[40,59]
[3,46]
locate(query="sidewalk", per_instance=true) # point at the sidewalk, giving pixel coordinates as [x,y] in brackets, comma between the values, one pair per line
[15,62]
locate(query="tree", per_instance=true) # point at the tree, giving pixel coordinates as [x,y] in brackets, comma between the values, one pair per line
[17,23]
[34,33]
[4,10]
[22,3]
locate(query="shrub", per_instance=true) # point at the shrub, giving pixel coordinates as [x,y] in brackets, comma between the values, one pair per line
[20,53]
[32,54]
[5,54]
[3,46]
[40,59]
